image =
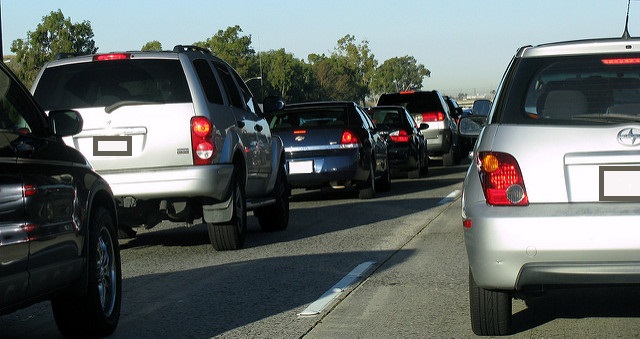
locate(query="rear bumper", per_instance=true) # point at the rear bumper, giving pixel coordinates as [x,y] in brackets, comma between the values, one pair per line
[582,243]
[402,158]
[340,168]
[172,182]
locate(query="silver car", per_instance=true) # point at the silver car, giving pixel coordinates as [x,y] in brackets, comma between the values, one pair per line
[551,197]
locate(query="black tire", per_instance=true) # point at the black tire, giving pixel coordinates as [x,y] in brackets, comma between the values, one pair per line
[384,183]
[276,217]
[231,235]
[449,158]
[415,173]
[368,191]
[490,310]
[96,310]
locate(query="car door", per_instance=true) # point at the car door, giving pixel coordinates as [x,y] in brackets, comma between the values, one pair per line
[46,173]
[378,143]
[248,128]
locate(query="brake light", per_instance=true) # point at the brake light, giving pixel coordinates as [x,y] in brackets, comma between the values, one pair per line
[621,61]
[432,116]
[501,179]
[407,92]
[111,56]
[29,190]
[300,131]
[348,138]
[399,136]
[202,141]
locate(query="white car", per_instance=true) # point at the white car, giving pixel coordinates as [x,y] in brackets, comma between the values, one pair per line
[552,195]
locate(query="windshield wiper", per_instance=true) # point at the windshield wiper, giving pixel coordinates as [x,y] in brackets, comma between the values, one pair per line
[122,103]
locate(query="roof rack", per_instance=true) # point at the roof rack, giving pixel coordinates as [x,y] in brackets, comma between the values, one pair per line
[188,48]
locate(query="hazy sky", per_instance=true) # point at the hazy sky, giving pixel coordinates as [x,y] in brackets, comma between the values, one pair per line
[466,44]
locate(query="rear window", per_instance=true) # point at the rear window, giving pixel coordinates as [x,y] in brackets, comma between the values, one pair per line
[310,118]
[413,102]
[575,90]
[103,83]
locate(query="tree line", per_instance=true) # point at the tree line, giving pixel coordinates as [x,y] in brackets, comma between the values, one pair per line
[351,72]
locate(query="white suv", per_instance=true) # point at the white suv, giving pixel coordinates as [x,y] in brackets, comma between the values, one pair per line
[552,196]
[178,136]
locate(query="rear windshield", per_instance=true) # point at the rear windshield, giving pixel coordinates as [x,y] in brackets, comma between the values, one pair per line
[310,117]
[103,83]
[387,118]
[413,102]
[575,90]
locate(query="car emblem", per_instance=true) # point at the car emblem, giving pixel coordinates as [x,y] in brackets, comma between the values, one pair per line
[299,137]
[629,137]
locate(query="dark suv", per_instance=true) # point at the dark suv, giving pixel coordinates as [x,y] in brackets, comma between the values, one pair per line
[58,230]
[178,136]
[430,107]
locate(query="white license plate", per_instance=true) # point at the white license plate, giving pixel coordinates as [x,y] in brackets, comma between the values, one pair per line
[620,183]
[112,146]
[298,167]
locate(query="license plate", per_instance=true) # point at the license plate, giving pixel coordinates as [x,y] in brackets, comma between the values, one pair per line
[112,146]
[298,167]
[620,183]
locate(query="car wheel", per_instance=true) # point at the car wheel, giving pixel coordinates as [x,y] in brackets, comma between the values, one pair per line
[276,217]
[368,191]
[231,235]
[96,311]
[384,185]
[449,158]
[415,174]
[490,310]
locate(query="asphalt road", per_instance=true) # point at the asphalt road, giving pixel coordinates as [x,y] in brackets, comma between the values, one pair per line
[390,267]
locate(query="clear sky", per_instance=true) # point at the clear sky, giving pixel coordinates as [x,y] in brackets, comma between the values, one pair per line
[466,44]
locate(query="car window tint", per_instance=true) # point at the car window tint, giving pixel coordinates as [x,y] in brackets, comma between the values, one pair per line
[577,90]
[229,85]
[245,92]
[310,118]
[18,114]
[415,103]
[208,81]
[93,84]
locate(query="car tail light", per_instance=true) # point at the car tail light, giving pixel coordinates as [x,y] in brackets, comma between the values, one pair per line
[29,190]
[399,136]
[432,116]
[111,56]
[348,138]
[202,141]
[501,179]
[621,61]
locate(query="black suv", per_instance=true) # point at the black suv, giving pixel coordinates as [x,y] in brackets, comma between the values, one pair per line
[431,108]
[177,135]
[58,230]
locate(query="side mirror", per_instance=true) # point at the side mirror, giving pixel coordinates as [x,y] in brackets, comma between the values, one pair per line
[423,126]
[272,104]
[471,126]
[65,123]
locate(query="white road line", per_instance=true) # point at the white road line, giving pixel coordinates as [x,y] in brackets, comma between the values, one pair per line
[451,197]
[317,306]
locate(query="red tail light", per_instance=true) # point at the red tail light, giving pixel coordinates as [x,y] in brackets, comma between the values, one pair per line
[399,136]
[348,138]
[501,179]
[432,116]
[29,190]
[111,56]
[202,141]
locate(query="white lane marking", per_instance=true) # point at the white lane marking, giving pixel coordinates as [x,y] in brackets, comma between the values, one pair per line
[317,306]
[451,197]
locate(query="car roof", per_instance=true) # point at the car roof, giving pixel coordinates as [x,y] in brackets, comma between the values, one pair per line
[582,47]
[320,103]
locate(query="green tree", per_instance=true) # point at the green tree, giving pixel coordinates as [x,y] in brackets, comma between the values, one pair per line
[236,50]
[154,45]
[285,76]
[335,78]
[399,74]
[56,34]
[359,61]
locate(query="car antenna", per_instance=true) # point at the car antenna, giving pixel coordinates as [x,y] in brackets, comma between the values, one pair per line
[625,34]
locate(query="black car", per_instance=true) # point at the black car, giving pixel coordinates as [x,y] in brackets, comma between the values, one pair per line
[407,145]
[430,107]
[333,144]
[58,231]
